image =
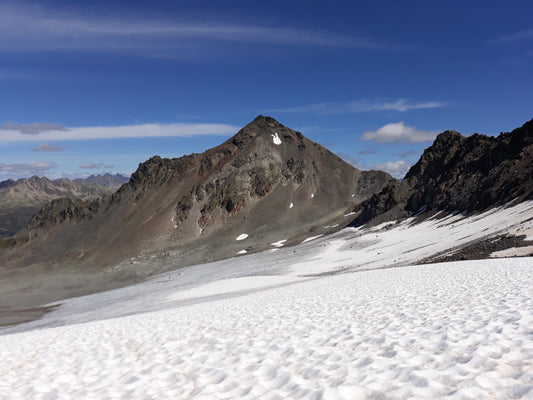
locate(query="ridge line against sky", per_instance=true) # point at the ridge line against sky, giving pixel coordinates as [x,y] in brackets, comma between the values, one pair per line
[110,84]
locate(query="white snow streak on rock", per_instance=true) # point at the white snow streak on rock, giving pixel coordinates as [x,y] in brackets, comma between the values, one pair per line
[276,139]
[514,252]
[242,236]
[291,205]
[347,215]
[242,252]
[312,195]
[331,226]
[279,243]
[454,330]
[312,238]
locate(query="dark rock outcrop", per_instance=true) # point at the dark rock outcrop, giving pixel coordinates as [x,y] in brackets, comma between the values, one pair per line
[472,173]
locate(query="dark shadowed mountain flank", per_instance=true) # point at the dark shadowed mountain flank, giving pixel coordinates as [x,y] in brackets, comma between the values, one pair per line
[459,173]
[268,183]
[21,199]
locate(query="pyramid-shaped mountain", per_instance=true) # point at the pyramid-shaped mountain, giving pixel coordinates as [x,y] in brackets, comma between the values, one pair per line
[266,184]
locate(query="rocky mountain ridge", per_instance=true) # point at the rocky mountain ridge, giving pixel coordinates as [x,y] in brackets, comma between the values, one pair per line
[459,173]
[21,199]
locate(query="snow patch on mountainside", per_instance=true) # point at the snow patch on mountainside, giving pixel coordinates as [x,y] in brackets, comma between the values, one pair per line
[390,244]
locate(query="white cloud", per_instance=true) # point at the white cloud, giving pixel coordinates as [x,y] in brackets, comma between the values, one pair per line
[91,165]
[401,105]
[36,28]
[26,169]
[48,147]
[31,129]
[126,131]
[513,38]
[399,133]
[397,169]
[357,106]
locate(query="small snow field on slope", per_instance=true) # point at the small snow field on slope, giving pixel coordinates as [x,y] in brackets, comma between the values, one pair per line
[452,331]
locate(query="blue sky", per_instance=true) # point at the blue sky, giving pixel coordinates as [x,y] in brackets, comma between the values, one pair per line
[94,87]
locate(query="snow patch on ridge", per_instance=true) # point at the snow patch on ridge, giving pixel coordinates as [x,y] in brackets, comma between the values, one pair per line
[276,139]
[242,236]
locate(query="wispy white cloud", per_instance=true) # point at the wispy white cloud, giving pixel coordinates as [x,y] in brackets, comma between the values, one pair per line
[126,131]
[357,106]
[31,129]
[26,169]
[91,165]
[399,133]
[512,38]
[36,28]
[397,169]
[48,147]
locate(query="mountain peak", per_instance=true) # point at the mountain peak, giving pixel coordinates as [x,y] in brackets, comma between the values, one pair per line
[270,130]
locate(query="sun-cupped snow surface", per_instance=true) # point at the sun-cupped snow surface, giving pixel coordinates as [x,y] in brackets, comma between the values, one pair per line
[276,139]
[455,330]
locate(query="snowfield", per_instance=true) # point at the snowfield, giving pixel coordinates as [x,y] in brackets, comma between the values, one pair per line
[455,330]
[341,317]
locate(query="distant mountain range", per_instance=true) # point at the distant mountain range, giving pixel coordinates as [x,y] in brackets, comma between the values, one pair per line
[106,180]
[21,199]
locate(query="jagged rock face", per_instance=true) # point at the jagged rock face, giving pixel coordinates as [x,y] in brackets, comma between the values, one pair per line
[460,173]
[267,181]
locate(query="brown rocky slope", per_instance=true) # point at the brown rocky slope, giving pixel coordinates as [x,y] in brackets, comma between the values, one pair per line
[268,182]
